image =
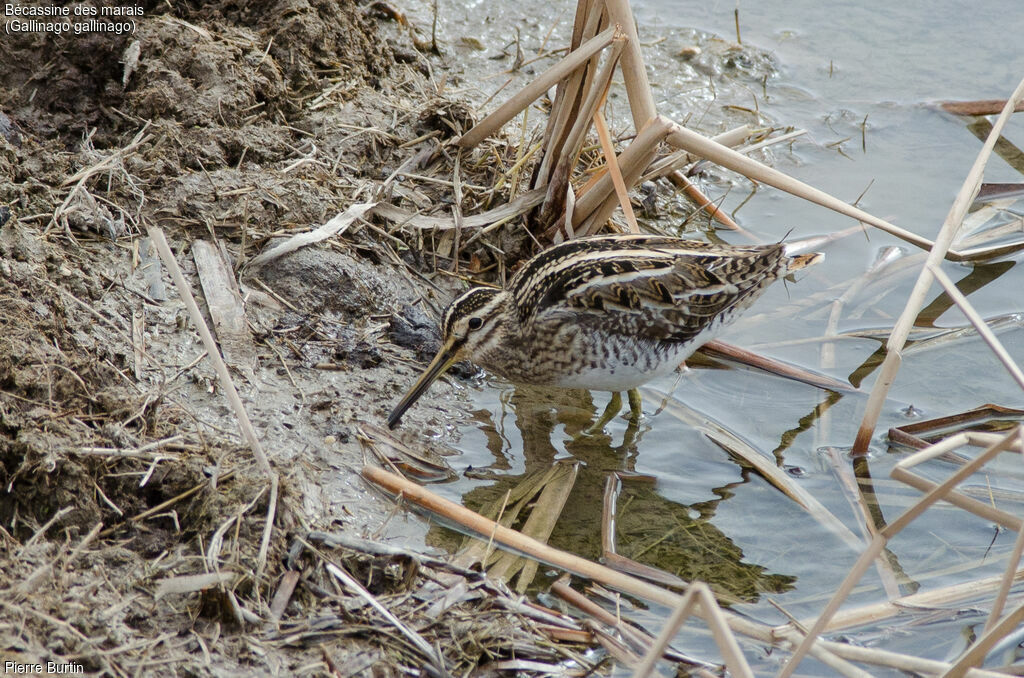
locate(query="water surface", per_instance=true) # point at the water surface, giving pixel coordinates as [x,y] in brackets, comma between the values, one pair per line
[862,78]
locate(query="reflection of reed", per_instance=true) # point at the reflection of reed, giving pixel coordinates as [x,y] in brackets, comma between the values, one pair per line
[559,501]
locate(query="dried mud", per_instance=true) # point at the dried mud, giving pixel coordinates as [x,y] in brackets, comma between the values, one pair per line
[120,463]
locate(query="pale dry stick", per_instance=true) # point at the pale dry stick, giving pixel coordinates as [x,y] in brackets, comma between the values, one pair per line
[42,530]
[539,86]
[898,338]
[585,26]
[156,235]
[983,439]
[875,613]
[771,141]
[882,538]
[979,324]
[415,638]
[511,538]
[680,159]
[133,452]
[398,485]
[900,662]
[975,654]
[700,145]
[337,225]
[594,207]
[981,509]
[735,662]
[82,545]
[509,210]
[616,173]
[1006,583]
[634,71]
[578,132]
[579,84]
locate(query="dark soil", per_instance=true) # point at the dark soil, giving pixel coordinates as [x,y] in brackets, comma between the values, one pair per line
[120,464]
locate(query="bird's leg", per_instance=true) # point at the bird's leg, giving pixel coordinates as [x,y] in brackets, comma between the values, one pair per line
[614,405]
[635,404]
[629,439]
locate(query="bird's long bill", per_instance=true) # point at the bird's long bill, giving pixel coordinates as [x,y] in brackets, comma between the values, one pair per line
[441,362]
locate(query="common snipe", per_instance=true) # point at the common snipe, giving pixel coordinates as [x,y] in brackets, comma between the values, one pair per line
[607,313]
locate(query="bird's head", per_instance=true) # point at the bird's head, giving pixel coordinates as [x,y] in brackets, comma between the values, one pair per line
[467,327]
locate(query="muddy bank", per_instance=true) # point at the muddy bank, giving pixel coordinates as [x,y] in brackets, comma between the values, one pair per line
[132,512]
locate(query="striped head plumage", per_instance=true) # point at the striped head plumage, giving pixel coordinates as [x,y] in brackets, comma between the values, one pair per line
[604,313]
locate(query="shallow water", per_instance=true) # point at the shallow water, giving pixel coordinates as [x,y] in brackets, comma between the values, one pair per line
[860,78]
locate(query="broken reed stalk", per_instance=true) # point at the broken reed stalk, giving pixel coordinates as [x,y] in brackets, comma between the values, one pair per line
[886,533]
[1006,582]
[595,206]
[735,662]
[621,192]
[833,654]
[680,159]
[558,183]
[701,201]
[634,71]
[697,144]
[565,109]
[508,110]
[979,324]
[428,650]
[898,338]
[975,654]
[874,613]
[156,235]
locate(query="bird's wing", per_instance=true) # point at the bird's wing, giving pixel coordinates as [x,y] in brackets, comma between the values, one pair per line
[669,291]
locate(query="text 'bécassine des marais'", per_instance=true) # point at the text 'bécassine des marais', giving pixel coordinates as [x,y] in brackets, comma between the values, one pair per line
[11,9]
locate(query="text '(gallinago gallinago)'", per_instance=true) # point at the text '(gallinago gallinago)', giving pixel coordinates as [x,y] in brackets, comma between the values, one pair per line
[607,313]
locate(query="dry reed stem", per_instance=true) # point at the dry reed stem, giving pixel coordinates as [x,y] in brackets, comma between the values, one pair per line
[898,338]
[831,653]
[734,444]
[1006,582]
[634,71]
[702,201]
[569,91]
[520,205]
[981,509]
[335,226]
[680,159]
[570,150]
[879,612]
[975,654]
[700,145]
[613,169]
[226,382]
[881,539]
[595,206]
[429,651]
[979,324]
[541,84]
[726,641]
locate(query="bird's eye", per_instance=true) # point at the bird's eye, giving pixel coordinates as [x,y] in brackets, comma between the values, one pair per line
[475,323]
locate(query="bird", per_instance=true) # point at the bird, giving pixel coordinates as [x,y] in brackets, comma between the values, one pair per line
[604,313]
